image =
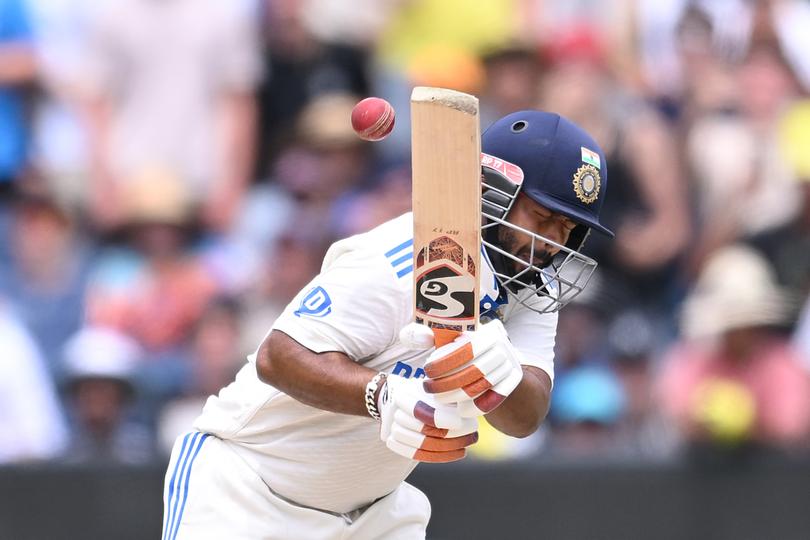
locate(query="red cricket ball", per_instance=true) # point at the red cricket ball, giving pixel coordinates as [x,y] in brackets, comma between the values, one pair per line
[373,119]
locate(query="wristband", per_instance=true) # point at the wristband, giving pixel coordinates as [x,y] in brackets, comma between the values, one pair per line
[371,392]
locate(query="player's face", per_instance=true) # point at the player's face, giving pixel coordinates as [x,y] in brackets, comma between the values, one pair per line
[529,215]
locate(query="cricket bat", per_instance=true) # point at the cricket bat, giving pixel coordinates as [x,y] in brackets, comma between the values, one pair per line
[446,168]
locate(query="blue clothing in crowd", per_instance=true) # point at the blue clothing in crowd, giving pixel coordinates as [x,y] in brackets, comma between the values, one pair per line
[15,28]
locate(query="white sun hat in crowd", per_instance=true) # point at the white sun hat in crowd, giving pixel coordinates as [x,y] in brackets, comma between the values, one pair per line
[736,289]
[101,353]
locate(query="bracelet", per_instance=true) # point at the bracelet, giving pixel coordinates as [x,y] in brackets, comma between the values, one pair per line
[371,392]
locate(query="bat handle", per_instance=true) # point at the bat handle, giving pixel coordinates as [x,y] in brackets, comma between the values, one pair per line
[443,336]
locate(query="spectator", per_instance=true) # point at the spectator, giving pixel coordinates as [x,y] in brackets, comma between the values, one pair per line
[706,54]
[31,423]
[215,355]
[17,69]
[641,432]
[100,365]
[387,198]
[322,170]
[586,407]
[743,185]
[171,86]
[340,162]
[733,380]
[138,116]
[47,274]
[295,260]
[801,336]
[581,336]
[440,29]
[59,141]
[358,24]
[782,20]
[648,206]
[683,44]
[436,43]
[301,67]
[512,81]
[155,286]
[588,399]
[788,246]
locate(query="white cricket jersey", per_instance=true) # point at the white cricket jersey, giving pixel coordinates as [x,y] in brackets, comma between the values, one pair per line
[356,305]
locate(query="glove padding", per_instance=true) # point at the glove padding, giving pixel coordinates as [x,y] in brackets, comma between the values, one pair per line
[415,426]
[477,371]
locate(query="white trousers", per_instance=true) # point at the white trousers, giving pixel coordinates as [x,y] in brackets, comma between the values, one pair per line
[211,493]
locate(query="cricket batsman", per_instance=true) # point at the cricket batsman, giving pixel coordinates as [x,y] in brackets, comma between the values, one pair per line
[315,437]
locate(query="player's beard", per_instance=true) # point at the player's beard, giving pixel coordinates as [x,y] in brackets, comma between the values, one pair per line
[511,242]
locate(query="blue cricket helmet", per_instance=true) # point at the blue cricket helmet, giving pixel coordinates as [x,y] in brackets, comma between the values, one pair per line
[559,166]
[563,167]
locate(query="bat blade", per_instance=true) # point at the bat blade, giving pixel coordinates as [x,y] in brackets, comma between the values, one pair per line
[446,163]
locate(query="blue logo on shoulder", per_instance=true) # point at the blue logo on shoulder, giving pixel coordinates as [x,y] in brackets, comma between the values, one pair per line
[315,304]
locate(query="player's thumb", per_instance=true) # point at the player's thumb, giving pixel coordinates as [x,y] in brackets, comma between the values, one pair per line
[416,336]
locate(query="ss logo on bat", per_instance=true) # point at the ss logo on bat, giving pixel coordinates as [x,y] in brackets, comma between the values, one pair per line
[441,292]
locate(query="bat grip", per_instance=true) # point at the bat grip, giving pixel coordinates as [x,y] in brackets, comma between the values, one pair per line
[443,336]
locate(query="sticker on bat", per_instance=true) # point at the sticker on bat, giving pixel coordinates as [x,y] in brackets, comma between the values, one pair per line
[444,293]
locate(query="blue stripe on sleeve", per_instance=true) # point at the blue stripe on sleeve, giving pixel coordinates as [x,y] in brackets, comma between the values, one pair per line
[406,257]
[180,481]
[399,248]
[405,271]
[185,487]
[167,510]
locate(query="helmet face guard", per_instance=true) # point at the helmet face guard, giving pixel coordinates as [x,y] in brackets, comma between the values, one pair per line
[556,164]
[555,284]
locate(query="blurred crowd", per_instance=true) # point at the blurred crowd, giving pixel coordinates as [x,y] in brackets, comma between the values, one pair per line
[172,172]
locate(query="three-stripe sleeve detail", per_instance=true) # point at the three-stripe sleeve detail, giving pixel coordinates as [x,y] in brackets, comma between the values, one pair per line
[179,483]
[401,258]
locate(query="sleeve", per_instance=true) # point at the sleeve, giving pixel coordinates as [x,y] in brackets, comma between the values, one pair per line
[534,334]
[356,306]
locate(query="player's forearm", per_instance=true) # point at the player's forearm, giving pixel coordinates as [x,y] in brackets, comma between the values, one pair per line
[330,381]
[525,409]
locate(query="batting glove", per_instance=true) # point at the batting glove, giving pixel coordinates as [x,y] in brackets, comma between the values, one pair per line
[415,426]
[477,371]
